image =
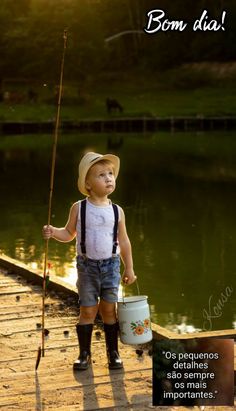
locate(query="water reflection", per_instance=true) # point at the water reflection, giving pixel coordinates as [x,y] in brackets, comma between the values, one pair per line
[180,211]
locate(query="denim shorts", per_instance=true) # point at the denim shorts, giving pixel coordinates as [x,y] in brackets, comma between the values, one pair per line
[98,279]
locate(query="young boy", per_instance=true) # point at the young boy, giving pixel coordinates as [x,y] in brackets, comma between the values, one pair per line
[101,238]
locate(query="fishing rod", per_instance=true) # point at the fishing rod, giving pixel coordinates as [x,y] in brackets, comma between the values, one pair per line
[41,349]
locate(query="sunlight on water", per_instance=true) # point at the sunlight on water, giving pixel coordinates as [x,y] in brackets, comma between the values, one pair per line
[180,214]
[33,265]
[71,273]
[20,249]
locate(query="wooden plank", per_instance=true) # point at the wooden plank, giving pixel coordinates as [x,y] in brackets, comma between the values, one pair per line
[27,311]
[68,354]
[6,283]
[21,308]
[19,316]
[45,389]
[48,375]
[50,304]
[160,332]
[104,392]
[26,326]
[18,268]
[16,290]
[55,385]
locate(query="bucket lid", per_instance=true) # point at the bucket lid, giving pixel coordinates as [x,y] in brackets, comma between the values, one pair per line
[132,299]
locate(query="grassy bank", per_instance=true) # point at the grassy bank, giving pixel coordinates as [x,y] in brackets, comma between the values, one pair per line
[187,91]
[205,101]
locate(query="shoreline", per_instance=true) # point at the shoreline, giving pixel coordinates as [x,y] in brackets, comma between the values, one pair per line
[69,292]
[123,124]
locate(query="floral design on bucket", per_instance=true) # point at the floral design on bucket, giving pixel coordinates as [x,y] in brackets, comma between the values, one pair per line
[140,327]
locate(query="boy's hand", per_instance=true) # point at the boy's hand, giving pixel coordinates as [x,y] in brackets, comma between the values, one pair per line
[129,277]
[47,231]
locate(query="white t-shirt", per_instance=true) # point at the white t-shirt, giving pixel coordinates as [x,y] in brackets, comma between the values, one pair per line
[99,225]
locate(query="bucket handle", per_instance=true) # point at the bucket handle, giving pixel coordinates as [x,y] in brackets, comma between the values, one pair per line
[123,291]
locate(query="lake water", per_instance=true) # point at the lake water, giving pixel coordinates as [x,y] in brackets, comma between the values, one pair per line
[178,192]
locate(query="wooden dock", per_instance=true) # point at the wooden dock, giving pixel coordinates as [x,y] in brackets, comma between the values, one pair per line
[55,386]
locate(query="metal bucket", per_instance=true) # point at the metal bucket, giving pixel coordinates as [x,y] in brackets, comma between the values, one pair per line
[134,320]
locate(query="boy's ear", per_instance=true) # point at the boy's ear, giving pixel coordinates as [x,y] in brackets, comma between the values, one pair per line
[88,187]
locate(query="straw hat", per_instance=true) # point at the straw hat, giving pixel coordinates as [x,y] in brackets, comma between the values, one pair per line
[88,161]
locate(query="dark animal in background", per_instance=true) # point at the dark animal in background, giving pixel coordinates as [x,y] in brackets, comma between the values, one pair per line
[32,96]
[113,106]
[13,97]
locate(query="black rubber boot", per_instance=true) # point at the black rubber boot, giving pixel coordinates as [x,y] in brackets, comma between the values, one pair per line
[111,337]
[84,332]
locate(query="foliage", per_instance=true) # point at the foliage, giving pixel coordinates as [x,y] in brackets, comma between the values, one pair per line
[31,37]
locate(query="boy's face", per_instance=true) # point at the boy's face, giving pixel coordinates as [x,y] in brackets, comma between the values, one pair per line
[100,179]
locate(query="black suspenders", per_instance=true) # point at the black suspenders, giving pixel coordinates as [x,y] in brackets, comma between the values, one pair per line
[115,229]
[82,220]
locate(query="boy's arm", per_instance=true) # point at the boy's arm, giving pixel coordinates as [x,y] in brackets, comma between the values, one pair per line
[125,251]
[66,233]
